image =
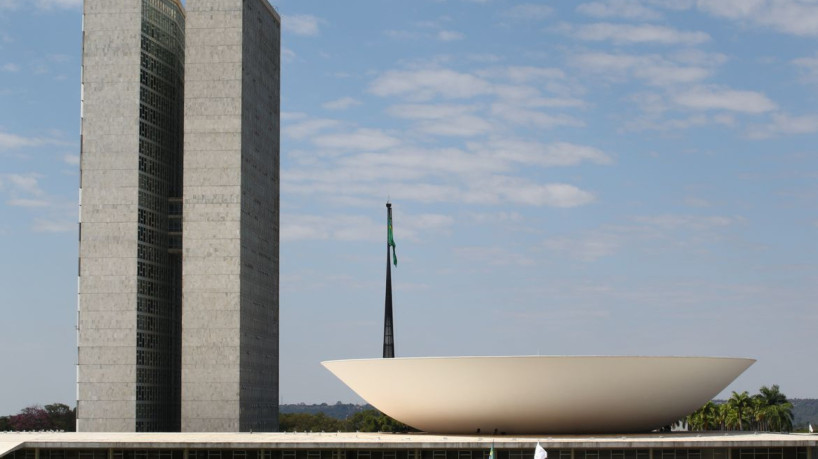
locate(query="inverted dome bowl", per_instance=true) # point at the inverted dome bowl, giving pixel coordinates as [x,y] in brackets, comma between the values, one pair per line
[538,394]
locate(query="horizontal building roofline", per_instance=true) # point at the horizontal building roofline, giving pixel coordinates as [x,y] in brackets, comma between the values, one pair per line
[354,440]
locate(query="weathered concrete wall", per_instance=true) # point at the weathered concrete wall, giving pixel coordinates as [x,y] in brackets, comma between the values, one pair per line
[260,218]
[106,375]
[230,238]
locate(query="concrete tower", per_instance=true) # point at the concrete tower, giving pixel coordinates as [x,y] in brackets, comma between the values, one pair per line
[141,366]
[231,194]
[128,375]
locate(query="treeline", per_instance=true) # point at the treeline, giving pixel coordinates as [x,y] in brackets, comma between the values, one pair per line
[768,411]
[338,410]
[292,418]
[56,416]
[367,420]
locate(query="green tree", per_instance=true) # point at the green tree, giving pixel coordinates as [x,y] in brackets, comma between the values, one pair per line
[739,410]
[374,421]
[306,422]
[705,418]
[61,417]
[773,410]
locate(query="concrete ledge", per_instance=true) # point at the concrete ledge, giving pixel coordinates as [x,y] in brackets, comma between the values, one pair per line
[302,441]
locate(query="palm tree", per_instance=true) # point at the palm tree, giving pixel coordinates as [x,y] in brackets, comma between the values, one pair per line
[705,418]
[759,412]
[721,416]
[775,409]
[768,410]
[739,407]
[772,395]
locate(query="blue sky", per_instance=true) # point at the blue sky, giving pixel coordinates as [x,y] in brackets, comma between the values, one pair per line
[602,177]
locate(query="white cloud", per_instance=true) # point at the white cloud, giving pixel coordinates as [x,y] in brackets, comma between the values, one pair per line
[43,5]
[524,74]
[687,222]
[492,256]
[62,4]
[654,123]
[809,66]
[25,183]
[341,104]
[13,141]
[520,191]
[414,227]
[308,128]
[429,175]
[495,217]
[529,12]
[71,159]
[543,155]
[589,246]
[525,117]
[449,35]
[785,124]
[529,73]
[425,84]
[410,164]
[796,17]
[360,140]
[301,24]
[300,227]
[702,98]
[23,202]
[627,9]
[653,69]
[457,126]
[442,119]
[11,67]
[431,221]
[636,34]
[328,227]
[42,225]
[429,111]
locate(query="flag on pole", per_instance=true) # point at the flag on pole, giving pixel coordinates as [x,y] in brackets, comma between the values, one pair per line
[390,240]
[491,454]
[539,452]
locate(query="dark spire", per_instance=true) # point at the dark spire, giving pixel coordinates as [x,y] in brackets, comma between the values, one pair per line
[388,330]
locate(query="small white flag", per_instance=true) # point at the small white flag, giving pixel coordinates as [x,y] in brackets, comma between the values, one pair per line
[539,452]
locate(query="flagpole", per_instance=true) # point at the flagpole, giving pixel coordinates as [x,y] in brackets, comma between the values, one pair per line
[388,331]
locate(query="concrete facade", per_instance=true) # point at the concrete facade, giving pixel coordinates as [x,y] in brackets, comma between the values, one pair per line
[178,286]
[230,268]
[383,445]
[109,195]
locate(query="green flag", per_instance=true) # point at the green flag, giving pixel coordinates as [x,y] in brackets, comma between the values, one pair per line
[390,240]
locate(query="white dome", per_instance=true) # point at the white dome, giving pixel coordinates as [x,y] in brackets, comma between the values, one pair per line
[538,394]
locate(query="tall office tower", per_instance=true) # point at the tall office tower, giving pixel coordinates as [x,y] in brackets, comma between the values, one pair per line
[147,359]
[230,238]
[128,375]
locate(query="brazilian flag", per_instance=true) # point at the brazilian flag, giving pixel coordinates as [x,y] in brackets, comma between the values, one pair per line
[390,240]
